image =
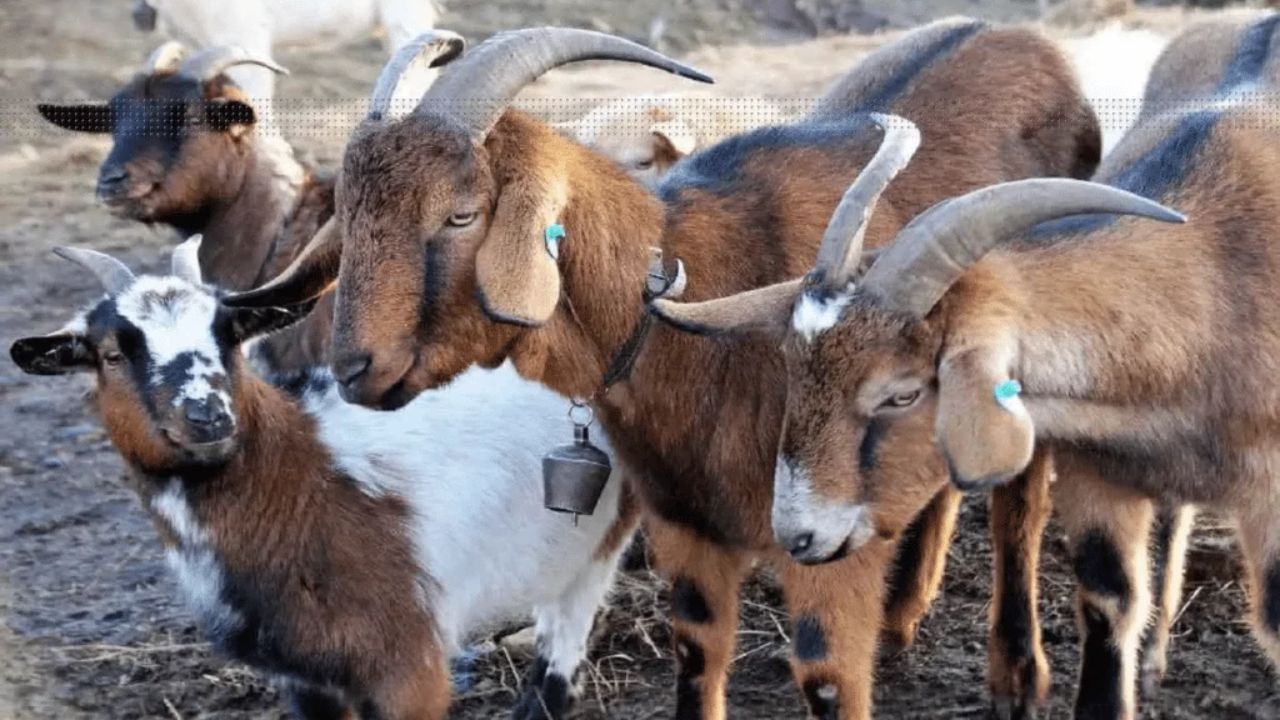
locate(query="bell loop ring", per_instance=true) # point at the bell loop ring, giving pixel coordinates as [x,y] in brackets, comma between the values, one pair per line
[581,414]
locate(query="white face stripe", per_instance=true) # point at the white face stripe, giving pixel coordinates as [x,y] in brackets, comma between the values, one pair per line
[176,319]
[814,315]
[798,509]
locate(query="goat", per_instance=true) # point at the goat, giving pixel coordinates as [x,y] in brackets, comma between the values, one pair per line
[1141,355]
[260,26]
[443,264]
[343,550]
[647,134]
[186,153]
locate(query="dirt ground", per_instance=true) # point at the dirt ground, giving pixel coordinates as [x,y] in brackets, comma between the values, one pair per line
[89,623]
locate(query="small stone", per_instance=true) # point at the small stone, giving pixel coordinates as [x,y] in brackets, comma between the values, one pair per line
[51,462]
[522,642]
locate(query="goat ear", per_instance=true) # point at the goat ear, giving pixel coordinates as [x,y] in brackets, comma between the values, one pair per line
[309,275]
[56,354]
[88,118]
[230,116]
[987,440]
[518,279]
[678,134]
[763,311]
[250,322]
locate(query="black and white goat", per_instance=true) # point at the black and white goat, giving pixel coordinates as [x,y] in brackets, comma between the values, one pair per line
[346,550]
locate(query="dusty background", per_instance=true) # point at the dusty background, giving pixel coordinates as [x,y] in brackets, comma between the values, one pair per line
[88,623]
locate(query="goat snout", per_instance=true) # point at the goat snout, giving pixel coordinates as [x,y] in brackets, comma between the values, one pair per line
[373,380]
[208,421]
[350,368]
[112,182]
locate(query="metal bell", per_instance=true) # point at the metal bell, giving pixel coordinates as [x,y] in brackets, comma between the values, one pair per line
[574,476]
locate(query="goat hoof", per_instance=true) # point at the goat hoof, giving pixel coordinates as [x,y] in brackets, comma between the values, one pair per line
[1152,677]
[1007,707]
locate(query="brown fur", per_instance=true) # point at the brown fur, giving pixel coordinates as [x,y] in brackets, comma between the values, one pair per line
[704,445]
[331,567]
[1104,325]
[223,183]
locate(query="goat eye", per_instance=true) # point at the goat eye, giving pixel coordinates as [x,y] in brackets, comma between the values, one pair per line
[902,400]
[462,219]
[644,164]
[113,357]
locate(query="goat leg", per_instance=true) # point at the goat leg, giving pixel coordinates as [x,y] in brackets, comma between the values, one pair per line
[1018,673]
[918,568]
[836,611]
[1109,527]
[705,580]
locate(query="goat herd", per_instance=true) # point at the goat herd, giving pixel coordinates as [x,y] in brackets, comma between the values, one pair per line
[800,344]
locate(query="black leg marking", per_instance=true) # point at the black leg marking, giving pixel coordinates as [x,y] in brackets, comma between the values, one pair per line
[1099,568]
[823,697]
[1013,622]
[1099,694]
[905,564]
[314,704]
[687,603]
[810,640]
[545,695]
[691,666]
[1271,598]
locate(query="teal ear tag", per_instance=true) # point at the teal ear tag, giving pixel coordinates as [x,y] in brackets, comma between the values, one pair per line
[552,237]
[1007,393]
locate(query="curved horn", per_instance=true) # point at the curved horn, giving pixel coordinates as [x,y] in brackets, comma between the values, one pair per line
[113,274]
[841,248]
[165,59]
[185,262]
[939,245]
[479,86]
[207,64]
[431,49]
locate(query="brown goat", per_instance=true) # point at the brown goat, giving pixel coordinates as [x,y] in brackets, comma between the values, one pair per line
[444,265]
[186,153]
[1103,323]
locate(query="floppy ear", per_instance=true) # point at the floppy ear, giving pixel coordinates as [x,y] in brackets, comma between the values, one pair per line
[987,440]
[762,310]
[519,281]
[250,322]
[230,116]
[56,354]
[677,134]
[89,118]
[309,275]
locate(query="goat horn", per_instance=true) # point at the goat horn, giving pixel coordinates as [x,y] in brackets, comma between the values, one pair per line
[209,63]
[165,59]
[431,49]
[185,262]
[841,248]
[939,245]
[479,86]
[114,275]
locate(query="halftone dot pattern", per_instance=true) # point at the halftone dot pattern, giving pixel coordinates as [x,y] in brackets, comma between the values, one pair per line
[334,120]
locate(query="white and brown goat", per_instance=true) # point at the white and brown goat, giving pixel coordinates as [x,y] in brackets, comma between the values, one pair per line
[443,264]
[648,134]
[344,550]
[1033,315]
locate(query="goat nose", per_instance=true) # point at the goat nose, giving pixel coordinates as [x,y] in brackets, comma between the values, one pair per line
[201,413]
[800,544]
[112,175]
[351,368]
